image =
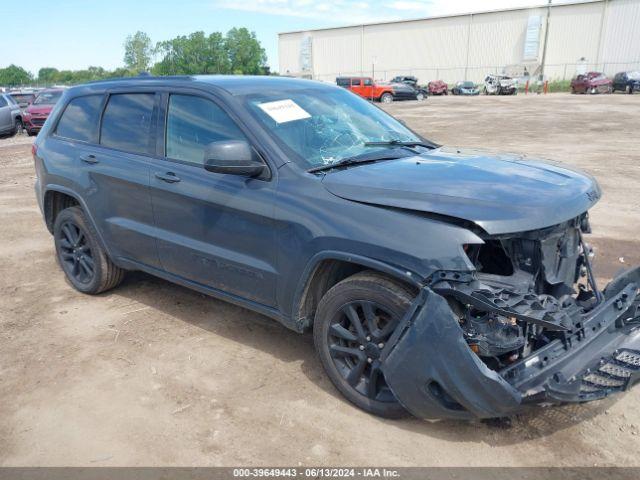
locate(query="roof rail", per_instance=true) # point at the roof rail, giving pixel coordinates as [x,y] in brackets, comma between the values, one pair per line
[143,78]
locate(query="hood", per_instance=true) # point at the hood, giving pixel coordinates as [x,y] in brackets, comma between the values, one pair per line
[501,194]
[39,109]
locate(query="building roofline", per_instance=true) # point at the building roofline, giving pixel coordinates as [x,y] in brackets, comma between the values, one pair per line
[435,17]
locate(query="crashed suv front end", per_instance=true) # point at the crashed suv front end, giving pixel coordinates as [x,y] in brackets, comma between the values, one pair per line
[528,327]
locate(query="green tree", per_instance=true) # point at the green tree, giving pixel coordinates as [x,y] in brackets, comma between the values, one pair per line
[137,52]
[246,55]
[47,75]
[13,75]
[193,54]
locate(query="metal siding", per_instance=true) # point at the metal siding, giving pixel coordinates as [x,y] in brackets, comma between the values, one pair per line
[573,33]
[621,37]
[437,47]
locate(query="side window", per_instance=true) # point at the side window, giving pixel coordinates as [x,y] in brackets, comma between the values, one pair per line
[367,82]
[355,82]
[80,119]
[126,123]
[3,102]
[192,124]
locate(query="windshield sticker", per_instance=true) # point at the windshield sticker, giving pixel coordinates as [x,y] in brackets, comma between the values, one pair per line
[284,111]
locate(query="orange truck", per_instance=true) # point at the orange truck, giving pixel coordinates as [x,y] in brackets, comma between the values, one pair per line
[367,88]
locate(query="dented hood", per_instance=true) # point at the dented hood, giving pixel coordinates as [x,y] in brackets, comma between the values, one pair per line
[500,193]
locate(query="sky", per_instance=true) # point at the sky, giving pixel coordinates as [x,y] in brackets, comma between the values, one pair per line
[76,34]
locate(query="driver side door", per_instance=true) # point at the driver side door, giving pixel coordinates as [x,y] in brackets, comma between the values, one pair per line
[215,230]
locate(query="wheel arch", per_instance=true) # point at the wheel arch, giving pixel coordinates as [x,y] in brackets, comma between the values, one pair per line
[326,269]
[56,198]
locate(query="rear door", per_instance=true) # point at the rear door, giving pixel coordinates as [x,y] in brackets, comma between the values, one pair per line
[106,141]
[214,229]
[357,87]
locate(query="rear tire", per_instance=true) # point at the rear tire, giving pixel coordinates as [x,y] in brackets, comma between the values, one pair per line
[629,89]
[80,254]
[349,347]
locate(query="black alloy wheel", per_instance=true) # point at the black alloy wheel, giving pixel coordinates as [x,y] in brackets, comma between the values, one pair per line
[75,253]
[352,326]
[81,255]
[357,335]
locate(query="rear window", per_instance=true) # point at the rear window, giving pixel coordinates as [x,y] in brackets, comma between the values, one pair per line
[80,119]
[126,124]
[343,82]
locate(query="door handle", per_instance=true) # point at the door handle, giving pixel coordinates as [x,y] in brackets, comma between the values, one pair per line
[168,177]
[91,159]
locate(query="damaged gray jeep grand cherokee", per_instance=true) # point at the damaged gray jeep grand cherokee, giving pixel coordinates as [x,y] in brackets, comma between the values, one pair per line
[445,283]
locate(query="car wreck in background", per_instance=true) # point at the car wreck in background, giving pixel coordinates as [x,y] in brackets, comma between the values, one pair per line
[465,88]
[438,87]
[500,85]
[591,82]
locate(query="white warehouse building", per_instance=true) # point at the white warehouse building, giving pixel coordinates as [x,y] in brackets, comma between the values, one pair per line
[597,35]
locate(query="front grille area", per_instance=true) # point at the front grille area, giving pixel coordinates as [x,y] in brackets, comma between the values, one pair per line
[612,375]
[38,121]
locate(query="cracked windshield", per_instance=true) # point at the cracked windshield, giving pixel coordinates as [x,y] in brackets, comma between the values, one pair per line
[323,127]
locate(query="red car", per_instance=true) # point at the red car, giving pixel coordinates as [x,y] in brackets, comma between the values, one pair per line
[36,114]
[592,82]
[438,87]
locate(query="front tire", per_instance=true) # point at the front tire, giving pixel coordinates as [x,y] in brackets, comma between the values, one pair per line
[18,126]
[354,320]
[420,97]
[386,98]
[80,254]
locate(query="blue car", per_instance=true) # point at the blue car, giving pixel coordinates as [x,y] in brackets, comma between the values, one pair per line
[465,88]
[441,282]
[627,82]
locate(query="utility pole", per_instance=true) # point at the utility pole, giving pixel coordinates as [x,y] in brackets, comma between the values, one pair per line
[544,46]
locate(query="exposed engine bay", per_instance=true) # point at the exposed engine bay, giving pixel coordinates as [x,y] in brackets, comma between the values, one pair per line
[529,289]
[528,327]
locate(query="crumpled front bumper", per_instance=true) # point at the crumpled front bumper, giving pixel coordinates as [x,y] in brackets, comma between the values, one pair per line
[434,374]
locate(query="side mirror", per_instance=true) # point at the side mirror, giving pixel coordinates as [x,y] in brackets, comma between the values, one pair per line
[233,157]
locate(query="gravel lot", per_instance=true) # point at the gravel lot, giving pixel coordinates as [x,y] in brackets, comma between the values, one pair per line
[155,374]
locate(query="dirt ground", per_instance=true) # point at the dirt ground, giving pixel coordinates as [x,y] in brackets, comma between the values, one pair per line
[155,374]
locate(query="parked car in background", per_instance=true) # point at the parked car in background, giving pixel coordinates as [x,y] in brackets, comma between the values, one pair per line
[408,79]
[591,82]
[10,115]
[22,98]
[422,92]
[499,85]
[628,82]
[37,113]
[367,88]
[437,87]
[465,88]
[445,282]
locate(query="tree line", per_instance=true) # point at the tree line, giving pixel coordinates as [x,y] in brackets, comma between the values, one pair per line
[238,52]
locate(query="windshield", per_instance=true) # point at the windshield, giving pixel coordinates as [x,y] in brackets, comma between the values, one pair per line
[47,98]
[323,126]
[468,85]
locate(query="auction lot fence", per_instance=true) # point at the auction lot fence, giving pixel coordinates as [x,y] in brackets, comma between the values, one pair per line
[552,72]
